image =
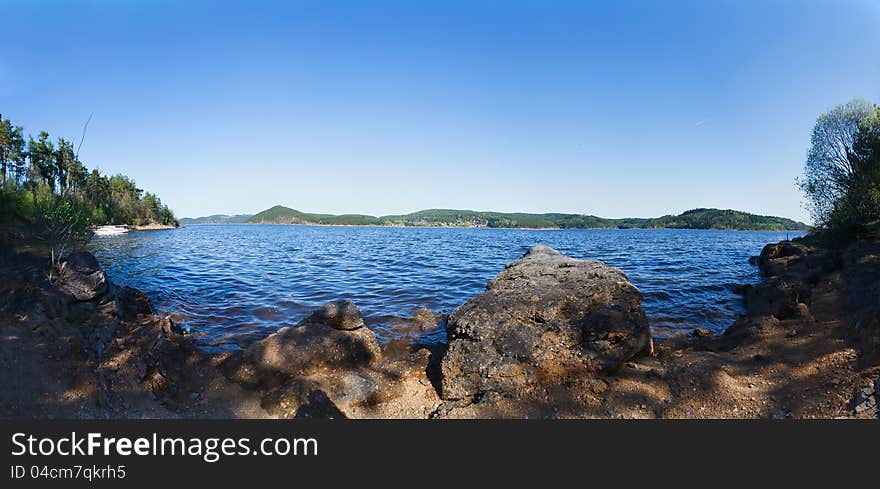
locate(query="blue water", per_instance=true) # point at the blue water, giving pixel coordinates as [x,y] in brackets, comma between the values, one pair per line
[233,284]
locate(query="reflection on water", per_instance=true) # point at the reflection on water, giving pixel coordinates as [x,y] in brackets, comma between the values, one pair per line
[231,284]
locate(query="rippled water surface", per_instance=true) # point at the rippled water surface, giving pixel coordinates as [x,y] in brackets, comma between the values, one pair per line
[231,284]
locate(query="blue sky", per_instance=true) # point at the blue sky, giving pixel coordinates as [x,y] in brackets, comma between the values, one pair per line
[608,108]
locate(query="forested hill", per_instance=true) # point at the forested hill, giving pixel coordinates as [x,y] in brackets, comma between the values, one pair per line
[725,219]
[692,219]
[42,180]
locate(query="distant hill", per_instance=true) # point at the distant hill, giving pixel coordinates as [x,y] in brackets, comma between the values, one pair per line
[285,215]
[725,219]
[692,219]
[215,219]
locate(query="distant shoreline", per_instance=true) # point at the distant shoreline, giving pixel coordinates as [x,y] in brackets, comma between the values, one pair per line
[483,227]
[700,218]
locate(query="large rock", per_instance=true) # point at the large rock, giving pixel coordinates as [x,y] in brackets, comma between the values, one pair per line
[332,337]
[330,365]
[799,259]
[131,303]
[545,319]
[82,277]
[775,257]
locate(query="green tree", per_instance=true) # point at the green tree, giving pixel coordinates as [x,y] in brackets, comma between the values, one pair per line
[41,154]
[63,191]
[5,148]
[841,172]
[151,207]
[860,204]
[98,190]
[11,152]
[76,175]
[64,160]
[16,154]
[830,160]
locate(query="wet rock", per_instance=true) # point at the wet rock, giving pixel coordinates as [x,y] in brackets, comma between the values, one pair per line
[132,303]
[342,315]
[82,278]
[171,329]
[425,319]
[701,332]
[544,319]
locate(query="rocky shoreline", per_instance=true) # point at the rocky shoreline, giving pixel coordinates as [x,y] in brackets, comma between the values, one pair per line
[152,227]
[551,337]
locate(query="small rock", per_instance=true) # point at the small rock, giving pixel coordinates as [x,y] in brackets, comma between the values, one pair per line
[170,328]
[343,315]
[701,332]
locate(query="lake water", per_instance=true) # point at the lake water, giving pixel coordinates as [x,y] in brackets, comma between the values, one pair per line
[233,284]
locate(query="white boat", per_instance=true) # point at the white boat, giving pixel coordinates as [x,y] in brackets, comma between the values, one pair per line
[110,230]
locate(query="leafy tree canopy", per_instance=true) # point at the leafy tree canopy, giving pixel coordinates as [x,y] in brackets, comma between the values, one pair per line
[44,180]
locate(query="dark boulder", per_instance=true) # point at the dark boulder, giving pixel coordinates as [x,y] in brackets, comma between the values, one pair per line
[776,297]
[776,257]
[701,333]
[83,262]
[82,278]
[132,303]
[545,319]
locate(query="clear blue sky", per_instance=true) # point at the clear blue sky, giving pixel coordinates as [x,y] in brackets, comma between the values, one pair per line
[607,108]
